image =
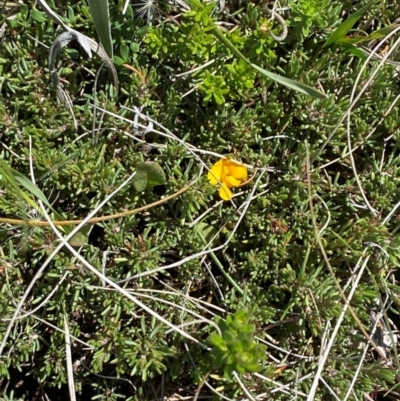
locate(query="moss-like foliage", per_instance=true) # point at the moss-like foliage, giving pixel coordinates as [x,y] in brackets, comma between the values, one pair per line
[315,224]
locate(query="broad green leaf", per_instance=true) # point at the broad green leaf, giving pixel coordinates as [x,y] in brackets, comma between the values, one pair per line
[124,52]
[38,16]
[218,99]
[297,86]
[134,47]
[218,358]
[217,340]
[346,25]
[242,317]
[118,60]
[206,230]
[99,9]
[155,173]
[148,174]
[34,190]
[81,237]
[140,180]
[71,13]
[24,11]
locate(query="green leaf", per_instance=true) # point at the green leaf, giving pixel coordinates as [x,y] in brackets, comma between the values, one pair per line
[216,340]
[134,46]
[6,172]
[140,180]
[99,10]
[118,60]
[38,16]
[124,52]
[155,173]
[382,33]
[14,178]
[241,317]
[24,12]
[78,240]
[30,186]
[216,31]
[351,40]
[379,34]
[207,231]
[346,25]
[297,86]
[218,98]
[218,358]
[71,13]
[81,237]
[148,174]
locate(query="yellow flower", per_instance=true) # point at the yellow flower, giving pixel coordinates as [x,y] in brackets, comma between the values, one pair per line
[228,174]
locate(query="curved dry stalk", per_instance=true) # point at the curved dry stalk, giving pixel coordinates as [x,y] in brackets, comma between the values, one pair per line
[274,15]
[95,220]
[88,45]
[68,355]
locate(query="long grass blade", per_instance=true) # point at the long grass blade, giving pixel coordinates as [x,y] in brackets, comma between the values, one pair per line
[297,86]
[99,10]
[346,25]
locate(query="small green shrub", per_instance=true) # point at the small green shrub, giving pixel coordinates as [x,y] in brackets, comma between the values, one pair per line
[235,350]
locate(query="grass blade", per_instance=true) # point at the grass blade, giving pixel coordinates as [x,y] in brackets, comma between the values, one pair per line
[16,180]
[379,34]
[13,177]
[346,25]
[220,36]
[30,187]
[101,19]
[297,86]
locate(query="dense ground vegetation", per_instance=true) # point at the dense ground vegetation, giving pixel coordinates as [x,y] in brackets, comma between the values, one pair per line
[315,224]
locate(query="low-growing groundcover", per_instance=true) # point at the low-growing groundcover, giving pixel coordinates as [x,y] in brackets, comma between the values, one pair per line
[199,297]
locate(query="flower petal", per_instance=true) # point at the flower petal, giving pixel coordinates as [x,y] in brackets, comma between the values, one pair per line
[237,170]
[231,181]
[215,173]
[224,192]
